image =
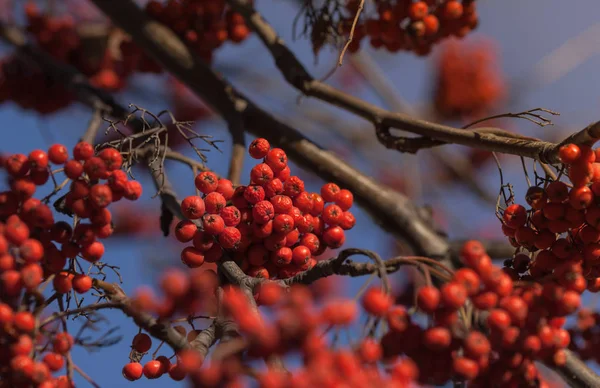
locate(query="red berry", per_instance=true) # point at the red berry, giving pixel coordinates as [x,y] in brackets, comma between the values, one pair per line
[100,196]
[193,207]
[185,230]
[132,371]
[58,154]
[133,190]
[112,158]
[283,223]
[31,250]
[498,320]
[213,224]
[569,153]
[262,212]
[141,342]
[261,174]
[454,295]
[428,299]
[152,369]
[95,168]
[334,237]
[514,216]
[376,302]
[273,188]
[17,165]
[281,257]
[207,182]
[293,186]
[230,238]
[62,343]
[93,252]
[225,188]
[231,216]
[54,361]
[192,257]
[333,214]
[437,338]
[38,159]
[276,159]
[83,151]
[254,194]
[300,255]
[418,10]
[259,148]
[82,283]
[344,199]
[476,345]
[452,10]
[214,203]
[465,368]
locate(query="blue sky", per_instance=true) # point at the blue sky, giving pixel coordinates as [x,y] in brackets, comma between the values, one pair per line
[524,31]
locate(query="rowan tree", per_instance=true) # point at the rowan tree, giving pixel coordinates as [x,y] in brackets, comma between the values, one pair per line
[263,241]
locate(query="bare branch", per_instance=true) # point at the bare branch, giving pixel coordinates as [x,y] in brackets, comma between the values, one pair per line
[338,266]
[295,73]
[93,126]
[351,36]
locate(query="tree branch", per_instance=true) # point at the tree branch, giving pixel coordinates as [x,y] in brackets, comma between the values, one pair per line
[338,266]
[161,330]
[392,210]
[295,73]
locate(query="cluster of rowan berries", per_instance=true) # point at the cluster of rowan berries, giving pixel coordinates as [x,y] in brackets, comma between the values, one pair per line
[409,25]
[561,229]
[29,253]
[205,25]
[522,325]
[468,82]
[297,326]
[28,86]
[272,227]
[187,361]
[19,342]
[185,293]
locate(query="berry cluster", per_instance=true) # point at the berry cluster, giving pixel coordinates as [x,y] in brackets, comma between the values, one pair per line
[187,361]
[29,252]
[297,326]
[272,227]
[411,26]
[522,325]
[204,25]
[29,87]
[560,230]
[468,83]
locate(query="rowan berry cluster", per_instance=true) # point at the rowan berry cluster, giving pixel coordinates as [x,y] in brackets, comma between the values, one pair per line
[205,25]
[468,82]
[272,227]
[522,325]
[411,25]
[186,293]
[558,235]
[30,253]
[29,87]
[187,361]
